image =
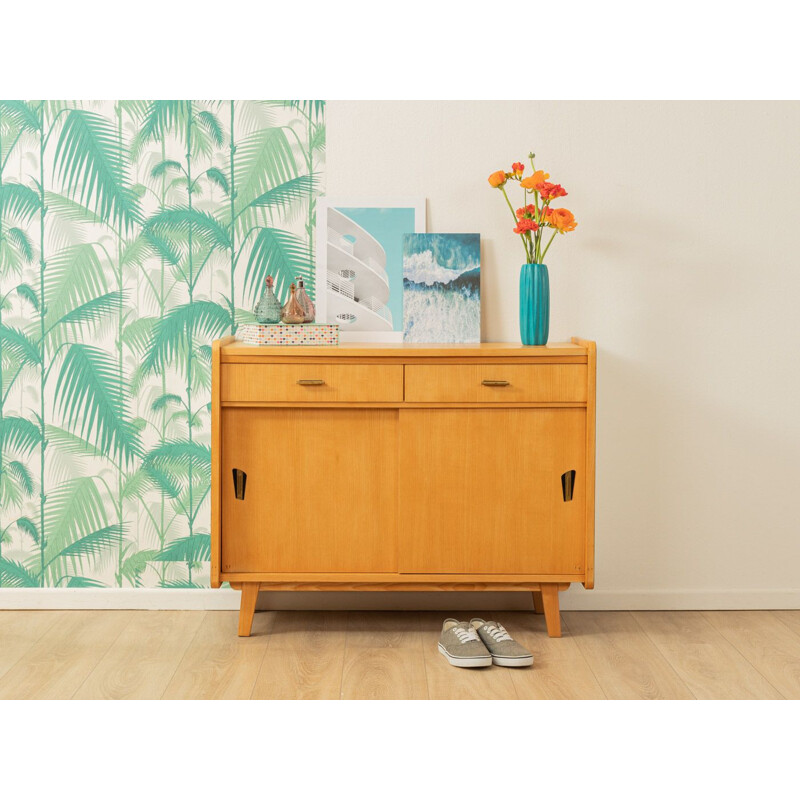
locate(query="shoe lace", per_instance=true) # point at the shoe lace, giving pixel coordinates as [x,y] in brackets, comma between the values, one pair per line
[466,634]
[499,633]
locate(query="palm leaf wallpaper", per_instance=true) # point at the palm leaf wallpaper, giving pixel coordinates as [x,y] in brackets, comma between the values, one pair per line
[132,234]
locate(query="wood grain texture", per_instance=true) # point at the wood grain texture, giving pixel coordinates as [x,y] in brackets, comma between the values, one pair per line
[766,642]
[60,661]
[704,660]
[247,607]
[320,494]
[141,662]
[551,612]
[527,383]
[559,671]
[790,618]
[341,382]
[216,452]
[304,658]
[218,665]
[591,425]
[402,350]
[394,581]
[508,514]
[380,655]
[384,657]
[627,665]
[377,447]
[19,632]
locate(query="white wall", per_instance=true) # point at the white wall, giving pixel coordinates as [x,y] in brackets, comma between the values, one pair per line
[684,269]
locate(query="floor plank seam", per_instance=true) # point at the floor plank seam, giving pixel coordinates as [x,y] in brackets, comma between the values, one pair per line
[421,634]
[791,630]
[663,655]
[58,616]
[183,655]
[104,653]
[733,644]
[585,658]
[344,653]
[270,637]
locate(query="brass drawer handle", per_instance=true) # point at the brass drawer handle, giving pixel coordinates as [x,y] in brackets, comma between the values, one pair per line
[495,383]
[310,382]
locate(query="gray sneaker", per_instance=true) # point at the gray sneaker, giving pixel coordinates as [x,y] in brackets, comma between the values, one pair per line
[461,645]
[505,651]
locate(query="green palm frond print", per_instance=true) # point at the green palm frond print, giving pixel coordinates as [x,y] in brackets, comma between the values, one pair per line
[132,234]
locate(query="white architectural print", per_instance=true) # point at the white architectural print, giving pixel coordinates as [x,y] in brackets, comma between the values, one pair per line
[357,283]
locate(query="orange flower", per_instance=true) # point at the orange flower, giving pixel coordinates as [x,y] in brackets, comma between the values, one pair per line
[528,211]
[532,181]
[526,224]
[498,178]
[549,191]
[517,168]
[561,219]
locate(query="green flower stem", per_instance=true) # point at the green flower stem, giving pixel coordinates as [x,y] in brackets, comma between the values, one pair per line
[510,207]
[549,243]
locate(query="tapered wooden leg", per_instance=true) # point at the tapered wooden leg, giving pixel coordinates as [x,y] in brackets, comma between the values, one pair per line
[538,606]
[551,614]
[247,608]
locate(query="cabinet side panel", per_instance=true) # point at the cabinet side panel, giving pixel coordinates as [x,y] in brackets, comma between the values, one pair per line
[216,455]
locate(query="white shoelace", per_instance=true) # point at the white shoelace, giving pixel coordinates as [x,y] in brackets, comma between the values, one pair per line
[466,634]
[499,633]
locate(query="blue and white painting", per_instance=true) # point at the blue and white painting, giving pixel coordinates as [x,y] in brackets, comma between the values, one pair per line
[442,287]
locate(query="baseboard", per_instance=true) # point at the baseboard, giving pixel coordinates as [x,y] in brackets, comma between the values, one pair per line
[575,599]
[153,599]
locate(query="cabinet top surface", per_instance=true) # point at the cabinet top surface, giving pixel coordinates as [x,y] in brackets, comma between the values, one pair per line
[231,347]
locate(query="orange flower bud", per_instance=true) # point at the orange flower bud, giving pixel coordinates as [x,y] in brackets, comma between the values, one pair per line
[497,179]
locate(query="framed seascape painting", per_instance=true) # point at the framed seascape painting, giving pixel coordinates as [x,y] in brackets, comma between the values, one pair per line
[359,271]
[442,287]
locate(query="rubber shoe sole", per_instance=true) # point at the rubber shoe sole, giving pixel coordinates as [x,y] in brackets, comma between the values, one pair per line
[473,661]
[506,661]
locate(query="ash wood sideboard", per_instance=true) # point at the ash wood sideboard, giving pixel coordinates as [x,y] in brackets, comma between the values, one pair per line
[403,467]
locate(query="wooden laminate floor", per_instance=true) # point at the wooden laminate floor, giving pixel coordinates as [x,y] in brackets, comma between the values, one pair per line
[393,655]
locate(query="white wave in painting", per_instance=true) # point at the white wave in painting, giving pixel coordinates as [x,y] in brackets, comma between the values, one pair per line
[422,268]
[434,315]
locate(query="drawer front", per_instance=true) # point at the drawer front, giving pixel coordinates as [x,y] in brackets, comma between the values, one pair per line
[496,383]
[311,383]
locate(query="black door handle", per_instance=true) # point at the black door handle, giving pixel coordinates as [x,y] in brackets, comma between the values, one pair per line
[239,483]
[567,485]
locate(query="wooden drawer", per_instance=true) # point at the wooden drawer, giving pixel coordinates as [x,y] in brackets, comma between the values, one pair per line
[496,383]
[311,383]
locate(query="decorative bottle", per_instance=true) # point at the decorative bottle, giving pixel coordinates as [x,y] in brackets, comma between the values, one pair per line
[268,308]
[292,313]
[305,301]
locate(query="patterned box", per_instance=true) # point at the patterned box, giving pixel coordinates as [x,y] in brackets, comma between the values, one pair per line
[289,334]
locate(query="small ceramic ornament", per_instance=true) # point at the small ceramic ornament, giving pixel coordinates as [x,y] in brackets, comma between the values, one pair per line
[292,313]
[268,309]
[305,301]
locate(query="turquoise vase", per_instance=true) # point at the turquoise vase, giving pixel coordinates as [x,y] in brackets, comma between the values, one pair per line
[534,304]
